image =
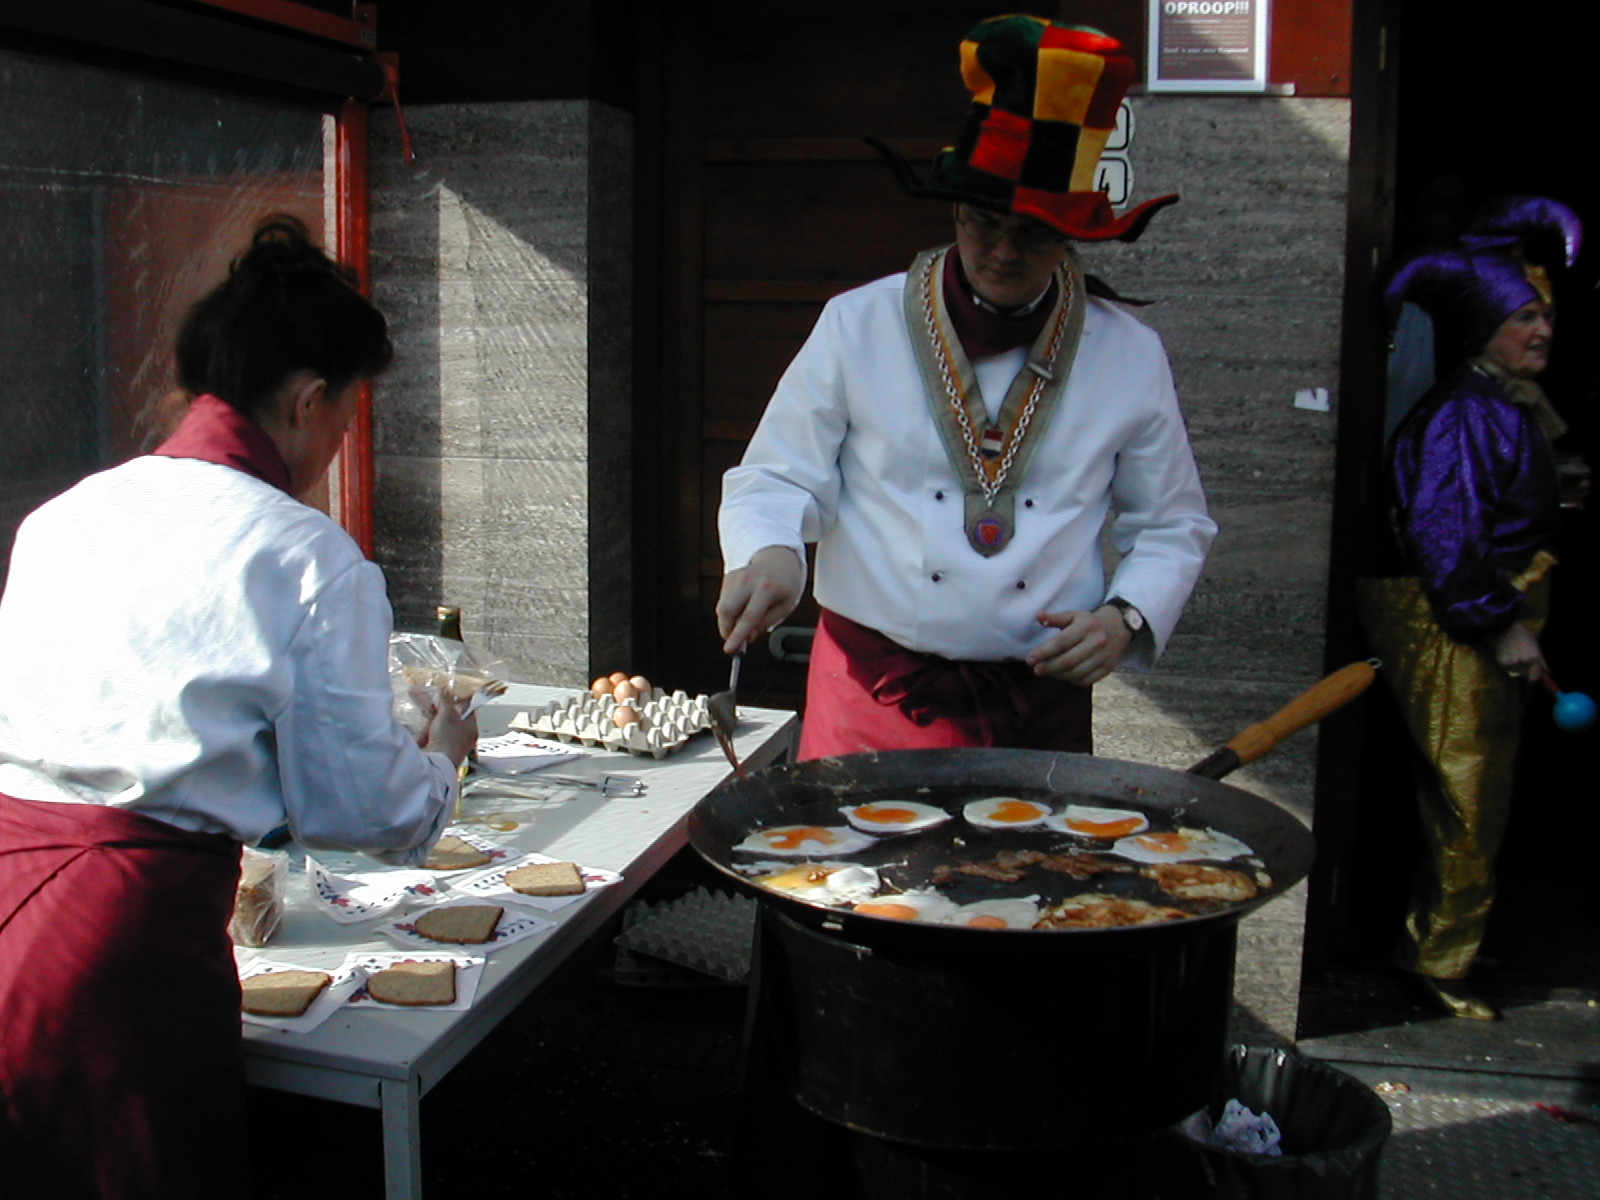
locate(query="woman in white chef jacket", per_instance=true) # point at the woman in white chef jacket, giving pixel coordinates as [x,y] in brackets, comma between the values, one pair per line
[194,657]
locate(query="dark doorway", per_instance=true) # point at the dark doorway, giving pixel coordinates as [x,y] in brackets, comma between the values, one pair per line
[1468,122]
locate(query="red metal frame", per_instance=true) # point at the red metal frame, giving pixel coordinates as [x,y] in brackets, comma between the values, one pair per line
[351,195]
[299,17]
[351,198]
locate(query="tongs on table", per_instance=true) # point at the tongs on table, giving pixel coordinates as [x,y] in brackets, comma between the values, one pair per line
[540,783]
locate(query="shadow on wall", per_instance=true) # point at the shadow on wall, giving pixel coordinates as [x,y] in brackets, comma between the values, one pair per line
[503,484]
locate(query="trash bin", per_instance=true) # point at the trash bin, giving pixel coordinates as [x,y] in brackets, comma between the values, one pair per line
[1333,1125]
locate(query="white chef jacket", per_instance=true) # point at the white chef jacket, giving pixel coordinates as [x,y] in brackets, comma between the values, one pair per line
[187,641]
[847,455]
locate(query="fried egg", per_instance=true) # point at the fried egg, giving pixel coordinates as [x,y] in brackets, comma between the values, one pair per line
[894,816]
[908,906]
[1108,824]
[1005,812]
[1018,913]
[798,841]
[823,883]
[1181,845]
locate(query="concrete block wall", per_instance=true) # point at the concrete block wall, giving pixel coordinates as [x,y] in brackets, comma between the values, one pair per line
[1248,274]
[501,434]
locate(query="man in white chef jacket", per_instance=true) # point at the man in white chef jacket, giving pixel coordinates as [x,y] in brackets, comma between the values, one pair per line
[954,438]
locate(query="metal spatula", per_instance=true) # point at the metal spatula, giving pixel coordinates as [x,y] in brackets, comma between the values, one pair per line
[725,716]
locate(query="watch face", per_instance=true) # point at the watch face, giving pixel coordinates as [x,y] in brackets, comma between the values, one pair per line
[1131,616]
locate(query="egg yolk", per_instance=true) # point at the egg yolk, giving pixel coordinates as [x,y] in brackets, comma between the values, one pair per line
[886,816]
[1165,841]
[986,921]
[1014,810]
[799,877]
[791,839]
[1105,829]
[895,912]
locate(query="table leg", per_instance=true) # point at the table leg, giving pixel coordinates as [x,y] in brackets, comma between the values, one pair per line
[402,1138]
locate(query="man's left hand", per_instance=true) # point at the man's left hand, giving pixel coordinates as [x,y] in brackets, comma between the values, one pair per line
[1087,648]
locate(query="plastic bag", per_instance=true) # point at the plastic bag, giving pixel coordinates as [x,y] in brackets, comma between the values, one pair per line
[424,668]
[258,903]
[1246,1131]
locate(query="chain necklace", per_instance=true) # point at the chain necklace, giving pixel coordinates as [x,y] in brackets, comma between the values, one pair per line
[992,474]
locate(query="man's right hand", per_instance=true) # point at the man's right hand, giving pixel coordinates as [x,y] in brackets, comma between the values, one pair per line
[756,597]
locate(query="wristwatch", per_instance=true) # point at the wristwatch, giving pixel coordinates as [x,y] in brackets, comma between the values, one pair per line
[1131,616]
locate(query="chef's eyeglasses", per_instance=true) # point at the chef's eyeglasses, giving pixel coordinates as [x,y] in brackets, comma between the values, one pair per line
[988,229]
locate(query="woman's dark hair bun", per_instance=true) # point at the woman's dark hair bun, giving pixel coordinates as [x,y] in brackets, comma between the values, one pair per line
[285,307]
[282,243]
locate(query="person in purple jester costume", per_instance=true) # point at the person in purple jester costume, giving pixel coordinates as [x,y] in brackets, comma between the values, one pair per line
[1475,499]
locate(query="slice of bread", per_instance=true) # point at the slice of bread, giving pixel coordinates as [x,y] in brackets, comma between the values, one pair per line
[450,853]
[283,993]
[461,923]
[415,983]
[546,879]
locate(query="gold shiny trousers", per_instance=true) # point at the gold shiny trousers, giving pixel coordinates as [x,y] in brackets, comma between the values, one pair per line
[1465,715]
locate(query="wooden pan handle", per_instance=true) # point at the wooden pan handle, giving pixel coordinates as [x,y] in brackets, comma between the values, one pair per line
[1337,690]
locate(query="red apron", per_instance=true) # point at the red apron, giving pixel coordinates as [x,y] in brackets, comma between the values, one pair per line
[121,1070]
[866,692]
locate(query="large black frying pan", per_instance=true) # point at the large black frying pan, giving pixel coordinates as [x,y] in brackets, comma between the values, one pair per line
[811,793]
[998,1039]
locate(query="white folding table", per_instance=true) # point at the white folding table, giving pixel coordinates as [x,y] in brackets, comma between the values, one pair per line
[389,1060]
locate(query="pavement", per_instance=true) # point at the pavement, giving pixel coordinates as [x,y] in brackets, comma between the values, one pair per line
[620,1078]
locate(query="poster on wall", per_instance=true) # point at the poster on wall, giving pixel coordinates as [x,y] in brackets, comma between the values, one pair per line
[1208,45]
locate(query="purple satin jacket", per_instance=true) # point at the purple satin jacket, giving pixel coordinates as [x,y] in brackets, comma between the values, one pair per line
[1476,497]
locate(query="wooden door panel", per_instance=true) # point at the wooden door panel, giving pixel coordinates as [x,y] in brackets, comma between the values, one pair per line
[747,348]
[770,203]
[846,221]
[882,68]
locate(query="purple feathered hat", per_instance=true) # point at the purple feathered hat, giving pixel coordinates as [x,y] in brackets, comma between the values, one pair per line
[1468,293]
[1545,231]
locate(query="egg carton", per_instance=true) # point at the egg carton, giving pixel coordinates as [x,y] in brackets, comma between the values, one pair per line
[666,721]
[709,932]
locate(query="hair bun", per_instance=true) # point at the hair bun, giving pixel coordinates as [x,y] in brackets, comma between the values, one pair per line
[285,307]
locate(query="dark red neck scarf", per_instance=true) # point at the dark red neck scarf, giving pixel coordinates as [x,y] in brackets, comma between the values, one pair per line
[982,332]
[215,432]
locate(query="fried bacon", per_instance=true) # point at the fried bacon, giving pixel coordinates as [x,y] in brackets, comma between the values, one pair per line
[1082,866]
[1011,866]
[1104,912]
[980,870]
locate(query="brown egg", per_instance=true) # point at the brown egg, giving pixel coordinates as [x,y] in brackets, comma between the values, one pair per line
[643,684]
[617,677]
[624,715]
[625,692]
[601,686]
